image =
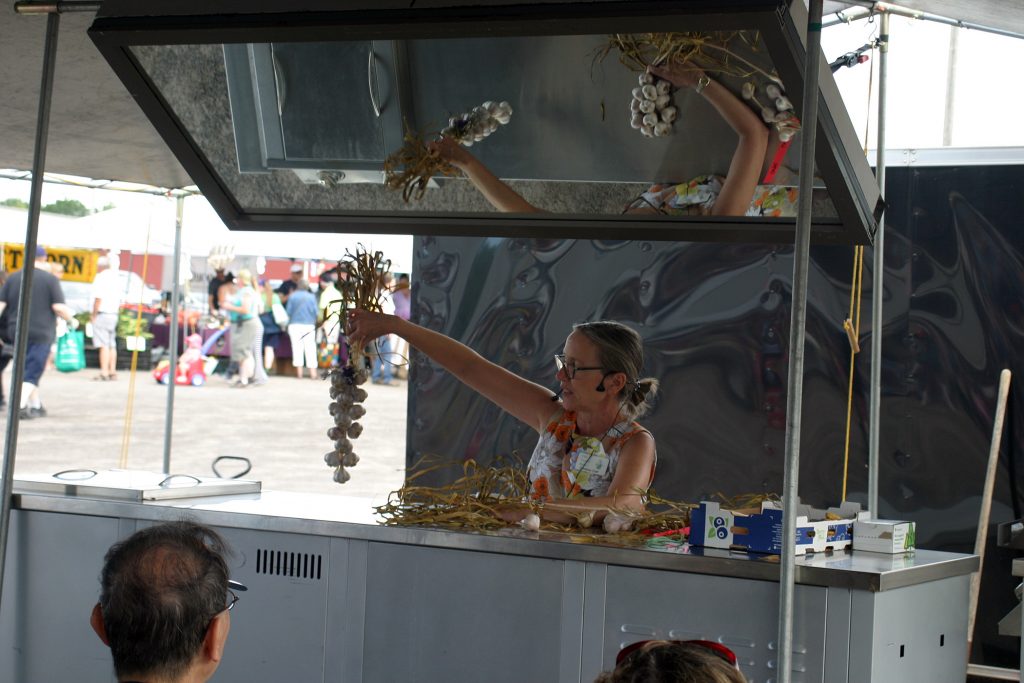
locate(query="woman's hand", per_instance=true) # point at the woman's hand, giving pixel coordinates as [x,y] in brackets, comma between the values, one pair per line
[451,151]
[679,75]
[365,326]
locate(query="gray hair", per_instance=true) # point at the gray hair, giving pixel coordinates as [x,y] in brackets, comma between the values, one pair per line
[621,349]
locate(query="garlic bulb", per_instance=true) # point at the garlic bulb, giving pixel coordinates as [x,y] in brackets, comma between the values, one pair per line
[332,459]
[531,522]
[354,430]
[647,107]
[748,90]
[647,131]
[786,135]
[638,94]
[768,115]
[661,129]
[358,395]
[350,459]
[668,114]
[636,121]
[663,87]
[773,91]
[650,119]
[782,103]
[661,102]
[646,78]
[634,106]
[341,476]
[614,523]
[650,92]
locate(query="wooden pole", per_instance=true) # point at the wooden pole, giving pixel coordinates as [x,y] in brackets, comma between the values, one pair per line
[986,501]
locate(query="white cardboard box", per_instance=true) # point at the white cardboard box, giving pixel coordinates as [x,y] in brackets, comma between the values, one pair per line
[884,535]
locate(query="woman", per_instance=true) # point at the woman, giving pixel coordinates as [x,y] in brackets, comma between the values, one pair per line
[273,312]
[673,661]
[591,455]
[242,309]
[728,196]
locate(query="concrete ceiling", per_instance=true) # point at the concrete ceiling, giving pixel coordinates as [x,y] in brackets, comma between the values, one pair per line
[96,129]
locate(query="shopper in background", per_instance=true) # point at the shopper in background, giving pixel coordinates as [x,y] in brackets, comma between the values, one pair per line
[274,319]
[106,303]
[381,372]
[47,302]
[402,298]
[219,278]
[245,327]
[302,312]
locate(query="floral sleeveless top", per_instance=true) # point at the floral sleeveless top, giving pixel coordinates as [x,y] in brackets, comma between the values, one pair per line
[565,464]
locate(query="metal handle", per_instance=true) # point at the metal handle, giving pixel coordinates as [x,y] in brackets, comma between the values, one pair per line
[371,71]
[166,483]
[280,86]
[246,461]
[75,475]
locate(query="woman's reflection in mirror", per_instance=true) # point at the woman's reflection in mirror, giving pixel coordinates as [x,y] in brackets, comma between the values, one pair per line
[734,194]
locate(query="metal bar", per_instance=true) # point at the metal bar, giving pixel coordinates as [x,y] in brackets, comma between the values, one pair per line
[33,7]
[172,373]
[797,331]
[878,284]
[882,8]
[995,673]
[24,296]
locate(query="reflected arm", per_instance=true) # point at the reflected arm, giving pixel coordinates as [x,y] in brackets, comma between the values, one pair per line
[501,196]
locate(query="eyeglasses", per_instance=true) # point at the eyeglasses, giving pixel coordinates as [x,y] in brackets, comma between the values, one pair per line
[232,596]
[716,648]
[571,368]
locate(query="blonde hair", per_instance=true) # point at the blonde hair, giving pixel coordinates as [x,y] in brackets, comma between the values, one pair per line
[620,349]
[244,276]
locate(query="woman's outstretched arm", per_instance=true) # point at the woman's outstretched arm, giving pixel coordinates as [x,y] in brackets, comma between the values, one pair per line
[501,196]
[745,167]
[523,399]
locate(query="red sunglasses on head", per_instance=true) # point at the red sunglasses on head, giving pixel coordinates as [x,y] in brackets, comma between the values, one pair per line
[717,648]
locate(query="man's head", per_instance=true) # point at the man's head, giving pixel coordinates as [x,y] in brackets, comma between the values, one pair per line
[164,600]
[296,272]
[40,255]
[102,263]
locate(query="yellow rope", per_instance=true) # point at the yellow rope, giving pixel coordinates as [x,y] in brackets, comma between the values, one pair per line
[852,323]
[126,431]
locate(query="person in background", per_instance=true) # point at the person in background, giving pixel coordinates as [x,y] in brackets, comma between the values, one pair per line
[302,311]
[330,306]
[381,372]
[219,278]
[272,329]
[674,661]
[165,604]
[106,303]
[57,268]
[46,304]
[242,307]
[402,298]
[290,285]
[259,373]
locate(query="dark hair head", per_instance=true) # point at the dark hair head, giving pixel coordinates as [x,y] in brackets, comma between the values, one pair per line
[620,349]
[669,662]
[159,590]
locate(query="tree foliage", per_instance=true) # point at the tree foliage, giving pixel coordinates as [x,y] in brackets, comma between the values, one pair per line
[15,203]
[67,207]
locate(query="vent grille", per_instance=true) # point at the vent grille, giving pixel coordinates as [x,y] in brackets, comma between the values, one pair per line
[284,563]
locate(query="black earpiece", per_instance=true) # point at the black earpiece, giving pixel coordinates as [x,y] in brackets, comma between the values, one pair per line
[600,387]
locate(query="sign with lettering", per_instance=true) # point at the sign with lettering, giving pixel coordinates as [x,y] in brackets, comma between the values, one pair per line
[79,264]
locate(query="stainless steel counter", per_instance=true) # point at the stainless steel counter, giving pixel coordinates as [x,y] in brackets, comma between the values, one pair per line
[353,518]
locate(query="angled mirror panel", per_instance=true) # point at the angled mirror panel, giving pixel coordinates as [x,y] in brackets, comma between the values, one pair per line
[291,131]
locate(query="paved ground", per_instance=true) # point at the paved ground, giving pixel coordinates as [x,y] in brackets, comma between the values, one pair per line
[281,426]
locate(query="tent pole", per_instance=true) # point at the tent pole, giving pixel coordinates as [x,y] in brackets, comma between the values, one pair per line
[797,332]
[172,372]
[24,296]
[878,284]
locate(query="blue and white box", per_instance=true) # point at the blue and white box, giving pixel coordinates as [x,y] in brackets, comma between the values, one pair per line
[714,527]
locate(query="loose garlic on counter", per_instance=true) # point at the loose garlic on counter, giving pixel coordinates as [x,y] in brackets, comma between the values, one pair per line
[531,522]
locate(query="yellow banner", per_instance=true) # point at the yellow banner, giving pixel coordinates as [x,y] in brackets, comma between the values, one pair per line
[79,264]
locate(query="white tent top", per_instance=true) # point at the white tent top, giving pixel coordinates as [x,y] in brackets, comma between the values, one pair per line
[132,229]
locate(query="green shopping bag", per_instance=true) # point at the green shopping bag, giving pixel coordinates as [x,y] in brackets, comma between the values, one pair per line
[70,351]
